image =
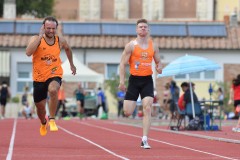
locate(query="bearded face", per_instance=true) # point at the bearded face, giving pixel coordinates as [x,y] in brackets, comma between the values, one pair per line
[50,28]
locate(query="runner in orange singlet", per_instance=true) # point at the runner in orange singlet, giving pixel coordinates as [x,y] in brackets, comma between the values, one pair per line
[139,54]
[45,50]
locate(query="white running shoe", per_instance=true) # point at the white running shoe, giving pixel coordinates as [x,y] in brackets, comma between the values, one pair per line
[145,145]
[235,129]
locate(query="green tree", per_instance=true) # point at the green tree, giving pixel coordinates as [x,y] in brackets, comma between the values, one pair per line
[37,8]
[114,82]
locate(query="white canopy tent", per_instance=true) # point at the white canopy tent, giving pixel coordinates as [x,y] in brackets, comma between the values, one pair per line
[84,74]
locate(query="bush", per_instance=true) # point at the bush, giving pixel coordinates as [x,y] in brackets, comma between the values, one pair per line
[15,99]
[114,82]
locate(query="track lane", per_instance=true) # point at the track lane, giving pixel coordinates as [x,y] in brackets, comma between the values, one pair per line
[206,148]
[6,129]
[55,145]
[104,139]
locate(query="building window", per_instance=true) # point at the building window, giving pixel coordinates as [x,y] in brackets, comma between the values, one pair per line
[195,75]
[135,9]
[113,70]
[207,75]
[21,85]
[24,72]
[182,76]
[107,9]
[180,9]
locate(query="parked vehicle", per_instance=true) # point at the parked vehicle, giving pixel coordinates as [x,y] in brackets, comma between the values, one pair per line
[90,104]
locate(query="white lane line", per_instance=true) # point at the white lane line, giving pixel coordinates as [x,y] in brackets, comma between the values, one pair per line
[10,149]
[185,133]
[183,147]
[89,141]
[199,136]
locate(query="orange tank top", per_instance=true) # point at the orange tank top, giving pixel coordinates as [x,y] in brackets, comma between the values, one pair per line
[46,61]
[141,60]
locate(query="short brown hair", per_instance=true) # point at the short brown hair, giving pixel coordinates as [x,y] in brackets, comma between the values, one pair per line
[50,18]
[142,21]
[184,84]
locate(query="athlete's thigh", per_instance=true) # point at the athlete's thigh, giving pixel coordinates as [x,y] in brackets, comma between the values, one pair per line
[129,106]
[132,90]
[147,89]
[54,83]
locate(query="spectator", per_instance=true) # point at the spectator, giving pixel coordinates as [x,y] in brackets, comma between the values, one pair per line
[101,100]
[155,105]
[120,97]
[235,95]
[27,99]
[25,96]
[187,96]
[175,96]
[61,101]
[184,87]
[27,111]
[138,111]
[4,94]
[220,96]
[166,101]
[80,97]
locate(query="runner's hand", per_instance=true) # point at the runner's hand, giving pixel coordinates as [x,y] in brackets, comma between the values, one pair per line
[42,31]
[122,87]
[159,69]
[73,68]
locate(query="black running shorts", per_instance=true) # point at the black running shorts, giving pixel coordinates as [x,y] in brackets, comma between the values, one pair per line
[40,89]
[236,103]
[142,85]
[3,101]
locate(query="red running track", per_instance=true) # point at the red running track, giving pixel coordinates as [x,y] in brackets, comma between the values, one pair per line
[104,140]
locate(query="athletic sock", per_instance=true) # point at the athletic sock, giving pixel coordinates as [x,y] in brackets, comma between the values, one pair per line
[144,138]
[44,122]
[51,118]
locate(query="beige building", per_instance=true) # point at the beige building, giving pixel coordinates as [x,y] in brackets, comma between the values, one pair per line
[166,10]
[102,51]
[226,8]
